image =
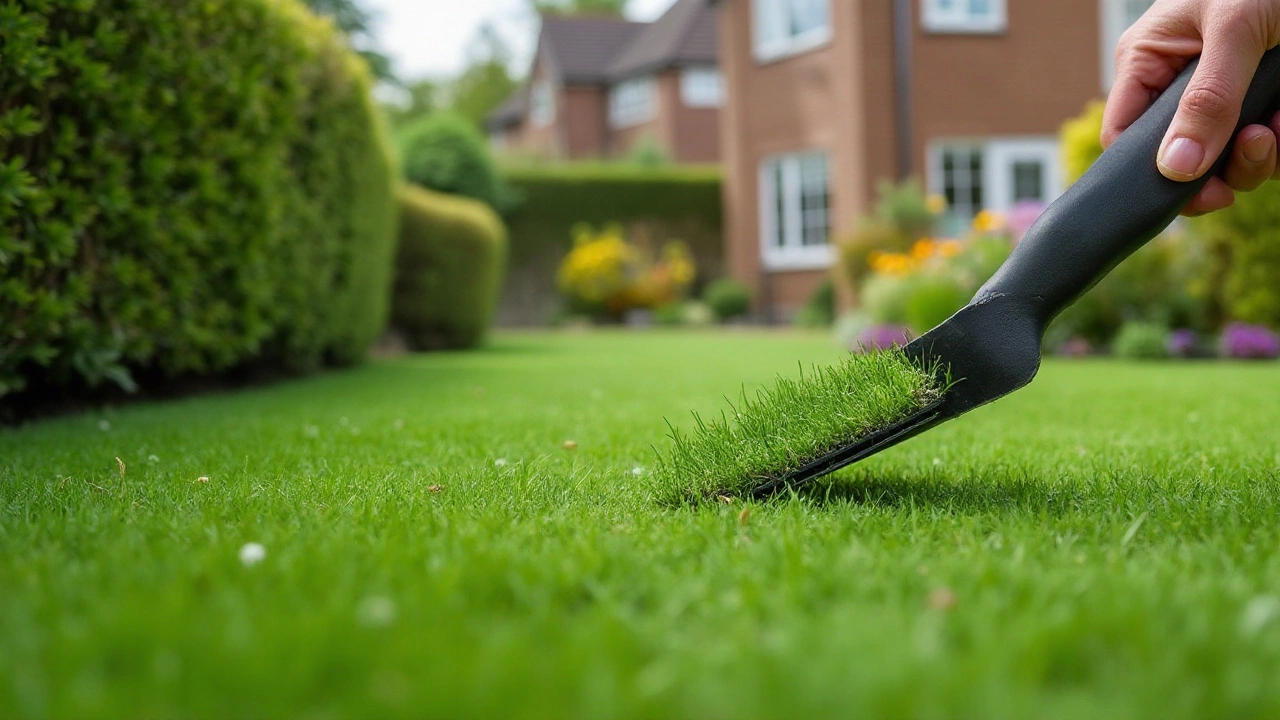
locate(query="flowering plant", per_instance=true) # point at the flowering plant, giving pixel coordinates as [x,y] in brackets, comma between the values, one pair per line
[882,337]
[1250,342]
[605,275]
[934,277]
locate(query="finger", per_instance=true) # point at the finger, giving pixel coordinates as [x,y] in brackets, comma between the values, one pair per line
[1129,98]
[1253,159]
[1210,107]
[1215,196]
[1275,130]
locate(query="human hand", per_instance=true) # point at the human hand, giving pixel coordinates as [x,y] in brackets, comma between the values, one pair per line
[1230,36]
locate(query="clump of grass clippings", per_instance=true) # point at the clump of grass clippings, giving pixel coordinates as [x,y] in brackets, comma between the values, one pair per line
[756,441]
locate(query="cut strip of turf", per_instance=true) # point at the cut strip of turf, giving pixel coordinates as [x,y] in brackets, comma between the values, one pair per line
[786,426]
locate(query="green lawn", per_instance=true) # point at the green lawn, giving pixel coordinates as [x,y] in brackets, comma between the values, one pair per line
[1102,544]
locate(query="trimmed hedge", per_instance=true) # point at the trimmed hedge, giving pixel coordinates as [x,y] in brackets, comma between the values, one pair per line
[186,188]
[448,270]
[653,205]
[446,153]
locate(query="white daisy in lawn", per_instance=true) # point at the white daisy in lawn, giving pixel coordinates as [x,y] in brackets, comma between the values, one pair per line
[104,425]
[252,553]
[637,471]
[500,462]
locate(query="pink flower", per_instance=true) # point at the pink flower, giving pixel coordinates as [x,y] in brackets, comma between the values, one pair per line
[882,337]
[1022,216]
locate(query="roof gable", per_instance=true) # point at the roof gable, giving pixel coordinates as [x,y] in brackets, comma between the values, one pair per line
[581,49]
[688,34]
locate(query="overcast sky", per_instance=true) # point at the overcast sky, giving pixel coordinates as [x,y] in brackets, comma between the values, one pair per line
[430,37]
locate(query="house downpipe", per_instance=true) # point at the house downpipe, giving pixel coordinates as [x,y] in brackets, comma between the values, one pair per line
[902,82]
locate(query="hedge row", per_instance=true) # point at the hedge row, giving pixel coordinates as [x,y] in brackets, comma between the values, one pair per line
[448,270]
[185,188]
[653,204]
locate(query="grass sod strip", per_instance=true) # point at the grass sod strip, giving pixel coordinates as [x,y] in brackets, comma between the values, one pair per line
[791,424]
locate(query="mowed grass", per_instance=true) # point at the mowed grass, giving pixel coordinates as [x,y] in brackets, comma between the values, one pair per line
[1103,543]
[766,435]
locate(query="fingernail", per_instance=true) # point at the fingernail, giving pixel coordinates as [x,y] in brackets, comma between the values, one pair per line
[1181,159]
[1257,148]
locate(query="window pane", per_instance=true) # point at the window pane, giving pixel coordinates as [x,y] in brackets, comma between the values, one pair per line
[814,200]
[780,202]
[702,87]
[1028,180]
[961,182]
[807,15]
[770,21]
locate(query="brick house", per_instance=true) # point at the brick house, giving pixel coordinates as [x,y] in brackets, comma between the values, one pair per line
[825,98]
[600,85]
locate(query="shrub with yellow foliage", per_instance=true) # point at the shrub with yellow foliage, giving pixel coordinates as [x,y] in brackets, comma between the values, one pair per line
[606,276]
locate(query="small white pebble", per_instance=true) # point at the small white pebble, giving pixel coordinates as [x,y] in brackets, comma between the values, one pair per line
[153,458]
[937,461]
[500,462]
[202,479]
[376,611]
[637,471]
[104,425]
[252,553]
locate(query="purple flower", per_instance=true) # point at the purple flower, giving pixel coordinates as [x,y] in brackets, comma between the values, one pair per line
[1075,348]
[882,337]
[1183,343]
[1022,216]
[1250,342]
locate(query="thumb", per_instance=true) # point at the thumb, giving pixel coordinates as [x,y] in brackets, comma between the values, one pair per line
[1210,107]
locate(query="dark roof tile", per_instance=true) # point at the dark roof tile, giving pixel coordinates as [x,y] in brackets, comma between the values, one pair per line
[686,35]
[581,48]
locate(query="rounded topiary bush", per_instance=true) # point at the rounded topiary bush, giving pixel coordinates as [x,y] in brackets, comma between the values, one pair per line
[185,188]
[1142,341]
[728,298]
[449,270]
[447,154]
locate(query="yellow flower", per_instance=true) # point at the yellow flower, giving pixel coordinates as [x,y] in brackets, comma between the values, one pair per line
[988,221]
[950,248]
[936,204]
[923,249]
[891,263]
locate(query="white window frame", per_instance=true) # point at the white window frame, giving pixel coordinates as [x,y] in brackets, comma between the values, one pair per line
[702,87]
[633,101]
[999,154]
[768,49]
[1117,16]
[960,19]
[542,104]
[794,254]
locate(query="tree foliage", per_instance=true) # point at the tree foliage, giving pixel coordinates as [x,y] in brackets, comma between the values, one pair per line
[356,22]
[580,7]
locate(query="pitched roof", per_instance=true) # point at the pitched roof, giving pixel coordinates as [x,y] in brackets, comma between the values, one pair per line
[686,35]
[598,50]
[581,48]
[510,112]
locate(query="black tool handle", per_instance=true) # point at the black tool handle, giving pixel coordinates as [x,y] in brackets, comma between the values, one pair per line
[1119,205]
